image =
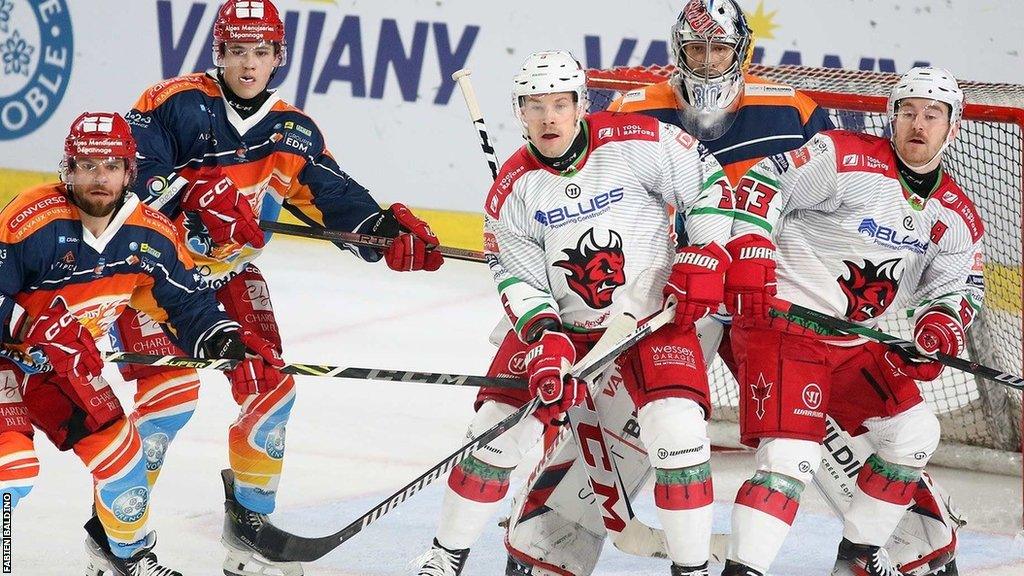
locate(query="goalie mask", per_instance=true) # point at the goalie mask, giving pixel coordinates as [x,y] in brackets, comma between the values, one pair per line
[549,72]
[711,48]
[936,84]
[249,21]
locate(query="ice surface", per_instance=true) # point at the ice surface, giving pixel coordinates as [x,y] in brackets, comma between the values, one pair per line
[351,443]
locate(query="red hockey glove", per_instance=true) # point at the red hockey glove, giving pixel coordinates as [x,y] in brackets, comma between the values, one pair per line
[415,246]
[547,365]
[260,367]
[696,281]
[224,210]
[70,347]
[750,282]
[936,331]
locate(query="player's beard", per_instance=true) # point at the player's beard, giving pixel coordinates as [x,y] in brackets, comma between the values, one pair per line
[98,207]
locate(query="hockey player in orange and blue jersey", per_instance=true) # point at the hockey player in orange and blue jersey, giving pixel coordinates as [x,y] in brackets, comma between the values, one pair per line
[216,150]
[74,255]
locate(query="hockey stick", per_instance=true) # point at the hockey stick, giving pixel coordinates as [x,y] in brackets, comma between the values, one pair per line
[319,370]
[292,548]
[358,239]
[462,78]
[224,364]
[904,347]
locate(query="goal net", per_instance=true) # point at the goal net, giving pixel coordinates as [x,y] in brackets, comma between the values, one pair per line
[981,420]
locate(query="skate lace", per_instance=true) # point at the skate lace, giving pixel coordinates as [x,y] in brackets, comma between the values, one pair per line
[254,520]
[438,562]
[148,566]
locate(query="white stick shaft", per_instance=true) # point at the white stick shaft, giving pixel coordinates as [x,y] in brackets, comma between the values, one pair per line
[461,77]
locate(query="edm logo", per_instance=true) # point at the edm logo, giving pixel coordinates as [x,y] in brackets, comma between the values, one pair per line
[36,48]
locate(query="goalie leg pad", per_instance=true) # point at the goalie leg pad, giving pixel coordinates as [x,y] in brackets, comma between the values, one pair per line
[767,503]
[925,539]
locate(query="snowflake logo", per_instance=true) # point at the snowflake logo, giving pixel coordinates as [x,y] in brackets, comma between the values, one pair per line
[16,54]
[5,14]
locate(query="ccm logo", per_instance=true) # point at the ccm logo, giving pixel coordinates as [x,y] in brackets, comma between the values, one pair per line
[63,322]
[222,186]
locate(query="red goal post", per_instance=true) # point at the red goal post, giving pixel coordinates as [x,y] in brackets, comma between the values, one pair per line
[982,421]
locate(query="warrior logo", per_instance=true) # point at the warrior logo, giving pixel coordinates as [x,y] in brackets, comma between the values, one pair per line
[595,270]
[871,289]
[761,392]
[812,396]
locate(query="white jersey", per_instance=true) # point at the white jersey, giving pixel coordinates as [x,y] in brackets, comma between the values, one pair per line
[589,243]
[853,242]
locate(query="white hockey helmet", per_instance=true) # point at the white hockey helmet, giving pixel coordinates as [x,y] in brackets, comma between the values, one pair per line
[710,22]
[931,83]
[550,72]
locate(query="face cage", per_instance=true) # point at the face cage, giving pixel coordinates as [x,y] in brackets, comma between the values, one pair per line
[734,69]
[279,47]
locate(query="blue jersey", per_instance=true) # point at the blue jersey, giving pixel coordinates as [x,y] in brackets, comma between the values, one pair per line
[45,252]
[277,156]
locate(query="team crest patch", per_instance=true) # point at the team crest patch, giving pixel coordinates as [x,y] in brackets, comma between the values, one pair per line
[37,50]
[595,269]
[870,288]
[131,504]
[275,442]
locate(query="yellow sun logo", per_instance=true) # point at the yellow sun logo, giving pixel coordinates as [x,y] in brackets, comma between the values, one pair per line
[761,22]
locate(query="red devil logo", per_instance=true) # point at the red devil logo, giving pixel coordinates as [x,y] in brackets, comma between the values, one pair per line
[595,270]
[869,290]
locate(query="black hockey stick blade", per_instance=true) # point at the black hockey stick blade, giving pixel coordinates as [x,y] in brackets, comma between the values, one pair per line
[358,239]
[904,347]
[294,548]
[320,370]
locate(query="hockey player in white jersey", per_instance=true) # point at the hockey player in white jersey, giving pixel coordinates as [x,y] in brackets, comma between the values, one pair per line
[859,227]
[576,232]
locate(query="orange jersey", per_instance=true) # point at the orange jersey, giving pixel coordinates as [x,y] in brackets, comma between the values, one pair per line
[46,252]
[277,156]
[771,119]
